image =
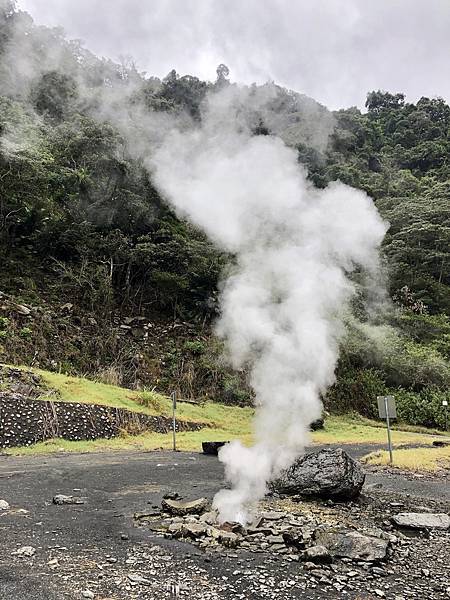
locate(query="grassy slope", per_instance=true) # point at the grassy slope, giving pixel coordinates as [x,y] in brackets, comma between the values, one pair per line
[224,422]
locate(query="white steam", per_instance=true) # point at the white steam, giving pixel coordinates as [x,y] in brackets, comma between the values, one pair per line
[283,305]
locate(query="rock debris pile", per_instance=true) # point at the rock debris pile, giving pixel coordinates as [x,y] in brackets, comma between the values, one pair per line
[294,535]
[338,548]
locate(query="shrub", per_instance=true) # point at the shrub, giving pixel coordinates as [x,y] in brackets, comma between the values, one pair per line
[152,401]
[234,391]
[25,332]
[4,322]
[424,408]
[111,375]
[356,390]
[195,346]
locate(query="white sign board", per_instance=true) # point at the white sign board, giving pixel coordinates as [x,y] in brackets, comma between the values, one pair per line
[386,407]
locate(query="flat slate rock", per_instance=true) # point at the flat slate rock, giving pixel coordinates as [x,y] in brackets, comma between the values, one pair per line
[330,473]
[422,520]
[352,544]
[178,508]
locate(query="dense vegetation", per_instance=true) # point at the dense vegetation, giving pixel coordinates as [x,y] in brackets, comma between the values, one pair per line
[86,239]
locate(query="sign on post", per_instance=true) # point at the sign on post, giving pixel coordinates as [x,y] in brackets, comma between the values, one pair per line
[387,411]
[174,420]
[386,407]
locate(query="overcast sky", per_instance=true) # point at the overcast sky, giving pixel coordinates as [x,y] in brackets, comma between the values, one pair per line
[333,50]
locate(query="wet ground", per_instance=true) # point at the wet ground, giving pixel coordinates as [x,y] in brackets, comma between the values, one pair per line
[95,550]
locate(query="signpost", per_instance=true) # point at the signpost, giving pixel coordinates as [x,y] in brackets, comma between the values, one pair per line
[445,405]
[387,410]
[174,420]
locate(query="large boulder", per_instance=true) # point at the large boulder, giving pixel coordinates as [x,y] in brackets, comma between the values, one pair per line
[329,473]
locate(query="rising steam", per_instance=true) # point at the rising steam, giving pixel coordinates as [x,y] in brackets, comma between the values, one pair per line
[282,306]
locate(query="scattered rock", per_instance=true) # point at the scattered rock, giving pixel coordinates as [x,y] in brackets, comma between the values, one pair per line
[318,554]
[23,310]
[212,448]
[227,538]
[25,552]
[422,520]
[87,594]
[138,516]
[175,507]
[193,530]
[209,517]
[172,496]
[138,579]
[295,539]
[63,499]
[351,544]
[272,515]
[4,505]
[329,473]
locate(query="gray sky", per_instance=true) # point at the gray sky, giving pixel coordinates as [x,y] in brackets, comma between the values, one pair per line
[333,50]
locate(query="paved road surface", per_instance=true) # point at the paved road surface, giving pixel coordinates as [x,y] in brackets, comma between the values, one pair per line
[117,485]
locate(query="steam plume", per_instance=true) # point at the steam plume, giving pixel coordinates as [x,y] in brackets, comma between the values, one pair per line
[283,304]
[282,307]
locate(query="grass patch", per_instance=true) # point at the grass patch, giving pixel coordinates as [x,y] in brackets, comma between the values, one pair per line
[429,459]
[228,423]
[353,429]
[222,422]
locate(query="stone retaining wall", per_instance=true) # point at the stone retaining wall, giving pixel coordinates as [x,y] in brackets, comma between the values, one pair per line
[24,421]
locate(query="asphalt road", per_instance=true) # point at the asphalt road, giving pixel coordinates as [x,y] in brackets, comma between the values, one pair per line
[116,485]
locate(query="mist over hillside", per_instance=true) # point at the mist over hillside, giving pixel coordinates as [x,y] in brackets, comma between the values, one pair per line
[83,225]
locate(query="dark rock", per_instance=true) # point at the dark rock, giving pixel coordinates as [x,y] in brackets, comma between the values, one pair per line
[329,473]
[172,496]
[351,544]
[318,554]
[294,539]
[317,424]
[212,448]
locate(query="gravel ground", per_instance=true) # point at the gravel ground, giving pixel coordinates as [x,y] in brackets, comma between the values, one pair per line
[98,550]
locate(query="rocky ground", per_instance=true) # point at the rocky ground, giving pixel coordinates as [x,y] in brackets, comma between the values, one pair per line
[116,543]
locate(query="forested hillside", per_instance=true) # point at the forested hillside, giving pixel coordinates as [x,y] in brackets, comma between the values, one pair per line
[98,276]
